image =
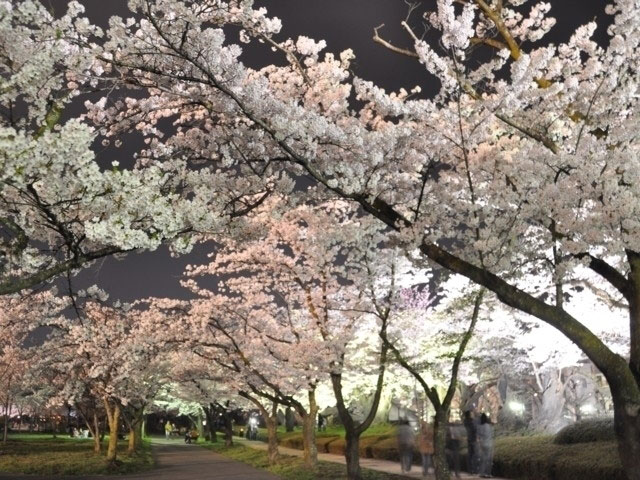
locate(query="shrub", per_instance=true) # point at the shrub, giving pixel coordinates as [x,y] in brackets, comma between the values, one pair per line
[592,430]
[385,449]
[367,444]
[323,443]
[524,458]
[293,441]
[538,458]
[337,447]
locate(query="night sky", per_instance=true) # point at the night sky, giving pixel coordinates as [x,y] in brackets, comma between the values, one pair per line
[343,24]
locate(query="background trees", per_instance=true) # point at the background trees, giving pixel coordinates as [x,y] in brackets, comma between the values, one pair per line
[522,166]
[521,159]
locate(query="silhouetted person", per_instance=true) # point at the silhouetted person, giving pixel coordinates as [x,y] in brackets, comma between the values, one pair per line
[426,446]
[406,444]
[289,419]
[322,423]
[472,442]
[485,441]
[454,437]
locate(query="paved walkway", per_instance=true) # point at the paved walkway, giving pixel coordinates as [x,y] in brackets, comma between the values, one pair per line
[369,463]
[177,461]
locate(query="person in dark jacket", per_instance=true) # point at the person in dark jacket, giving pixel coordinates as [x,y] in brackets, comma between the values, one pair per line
[406,444]
[472,442]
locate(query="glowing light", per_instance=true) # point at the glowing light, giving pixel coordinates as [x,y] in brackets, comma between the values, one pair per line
[516,407]
[588,409]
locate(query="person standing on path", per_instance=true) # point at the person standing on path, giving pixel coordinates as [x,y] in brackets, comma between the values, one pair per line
[472,440]
[321,423]
[406,444]
[167,430]
[454,437]
[485,441]
[426,447]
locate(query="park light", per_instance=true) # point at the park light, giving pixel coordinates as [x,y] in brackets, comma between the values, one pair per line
[588,409]
[516,407]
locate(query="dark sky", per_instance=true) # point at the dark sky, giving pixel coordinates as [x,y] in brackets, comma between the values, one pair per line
[343,24]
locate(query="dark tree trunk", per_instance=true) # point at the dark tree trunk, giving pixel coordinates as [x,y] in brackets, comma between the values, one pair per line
[440,464]
[352,455]
[271,419]
[113,417]
[5,432]
[228,429]
[626,398]
[272,438]
[310,454]
[95,431]
[135,430]
[353,429]
[209,412]
[627,427]
[135,438]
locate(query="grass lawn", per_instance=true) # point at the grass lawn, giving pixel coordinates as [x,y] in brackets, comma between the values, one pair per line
[44,455]
[377,430]
[292,468]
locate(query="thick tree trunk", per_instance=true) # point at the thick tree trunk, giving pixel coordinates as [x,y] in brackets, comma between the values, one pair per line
[272,436]
[271,419]
[309,432]
[135,438]
[200,426]
[353,430]
[228,430]
[440,464]
[627,427]
[131,446]
[352,455]
[135,431]
[5,432]
[113,417]
[309,441]
[211,428]
[626,398]
[95,431]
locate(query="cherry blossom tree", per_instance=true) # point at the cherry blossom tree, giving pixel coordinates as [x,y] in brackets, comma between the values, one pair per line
[20,316]
[319,273]
[263,357]
[197,380]
[109,357]
[518,164]
[438,346]
[60,210]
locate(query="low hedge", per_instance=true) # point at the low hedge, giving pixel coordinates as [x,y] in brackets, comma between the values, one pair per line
[522,458]
[586,431]
[538,458]
[386,449]
[324,442]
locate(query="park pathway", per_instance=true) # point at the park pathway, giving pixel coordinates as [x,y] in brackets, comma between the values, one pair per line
[368,463]
[177,461]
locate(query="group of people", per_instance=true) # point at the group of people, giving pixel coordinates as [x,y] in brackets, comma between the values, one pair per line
[80,433]
[189,435]
[479,443]
[169,428]
[479,433]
